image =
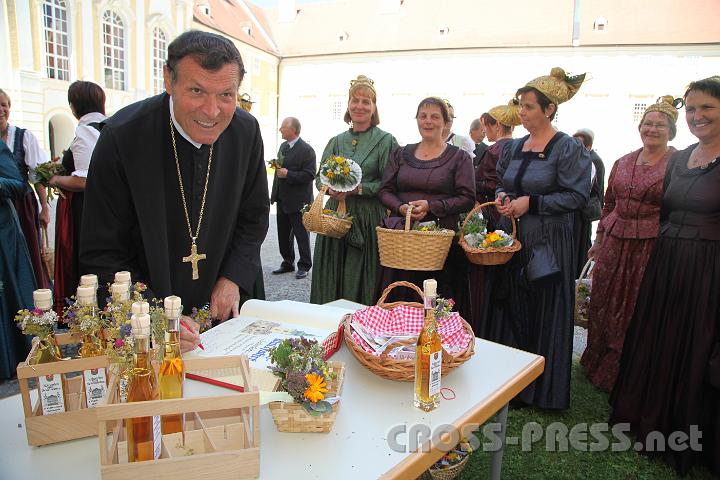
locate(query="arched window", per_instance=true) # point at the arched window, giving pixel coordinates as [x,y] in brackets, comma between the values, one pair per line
[55,24]
[159,54]
[113,50]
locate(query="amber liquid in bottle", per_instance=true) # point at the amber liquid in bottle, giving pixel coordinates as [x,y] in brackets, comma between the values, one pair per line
[143,386]
[428,356]
[172,375]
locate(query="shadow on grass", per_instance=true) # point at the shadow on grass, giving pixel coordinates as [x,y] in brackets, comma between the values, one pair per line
[588,405]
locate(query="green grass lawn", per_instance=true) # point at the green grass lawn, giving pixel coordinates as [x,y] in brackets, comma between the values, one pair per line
[587,405]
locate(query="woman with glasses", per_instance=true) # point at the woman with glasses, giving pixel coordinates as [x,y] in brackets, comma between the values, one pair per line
[668,385]
[625,236]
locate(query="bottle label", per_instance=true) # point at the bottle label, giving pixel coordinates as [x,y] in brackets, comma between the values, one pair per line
[435,368]
[51,394]
[123,390]
[157,436]
[95,386]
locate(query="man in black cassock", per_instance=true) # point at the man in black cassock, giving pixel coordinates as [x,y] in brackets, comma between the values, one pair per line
[136,212]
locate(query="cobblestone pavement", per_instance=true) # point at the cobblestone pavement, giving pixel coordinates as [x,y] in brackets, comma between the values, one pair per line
[286,287]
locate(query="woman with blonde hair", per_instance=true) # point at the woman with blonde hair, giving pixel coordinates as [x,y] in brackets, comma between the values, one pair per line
[348,267]
[628,227]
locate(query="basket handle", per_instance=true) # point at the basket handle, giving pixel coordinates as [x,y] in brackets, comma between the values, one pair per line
[316,207]
[341,208]
[45,244]
[408,220]
[587,269]
[478,207]
[386,292]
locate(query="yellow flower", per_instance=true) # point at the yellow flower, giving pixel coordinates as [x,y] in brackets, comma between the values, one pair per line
[346,170]
[339,160]
[317,389]
[330,174]
[490,238]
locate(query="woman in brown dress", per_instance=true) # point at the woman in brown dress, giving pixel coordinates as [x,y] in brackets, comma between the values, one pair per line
[625,237]
[669,378]
[437,180]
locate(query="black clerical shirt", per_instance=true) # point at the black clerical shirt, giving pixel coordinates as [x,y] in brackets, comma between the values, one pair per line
[134,219]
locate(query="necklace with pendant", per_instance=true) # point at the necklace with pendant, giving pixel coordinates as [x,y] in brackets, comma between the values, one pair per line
[194,257]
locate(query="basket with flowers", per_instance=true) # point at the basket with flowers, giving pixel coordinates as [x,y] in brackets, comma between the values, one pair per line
[451,464]
[313,384]
[342,175]
[486,248]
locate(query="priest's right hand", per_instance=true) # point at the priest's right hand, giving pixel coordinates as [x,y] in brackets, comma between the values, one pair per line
[189,335]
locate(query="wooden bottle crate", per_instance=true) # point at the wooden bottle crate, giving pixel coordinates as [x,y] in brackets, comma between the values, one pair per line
[77,421]
[221,437]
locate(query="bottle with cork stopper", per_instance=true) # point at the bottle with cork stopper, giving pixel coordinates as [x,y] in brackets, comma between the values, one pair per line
[123,277]
[47,350]
[172,368]
[428,354]
[143,433]
[87,297]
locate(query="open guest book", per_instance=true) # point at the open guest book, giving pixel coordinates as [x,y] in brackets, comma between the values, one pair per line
[263,325]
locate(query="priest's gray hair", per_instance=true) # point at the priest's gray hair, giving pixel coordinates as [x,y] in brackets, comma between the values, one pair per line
[475,124]
[210,50]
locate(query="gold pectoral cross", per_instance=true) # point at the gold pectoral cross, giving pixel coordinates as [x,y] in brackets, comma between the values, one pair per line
[194,258]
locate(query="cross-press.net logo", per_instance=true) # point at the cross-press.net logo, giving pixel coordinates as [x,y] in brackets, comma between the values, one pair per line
[555,437]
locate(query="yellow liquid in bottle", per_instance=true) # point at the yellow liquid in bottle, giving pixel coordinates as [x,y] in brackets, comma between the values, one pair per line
[428,353]
[140,430]
[172,374]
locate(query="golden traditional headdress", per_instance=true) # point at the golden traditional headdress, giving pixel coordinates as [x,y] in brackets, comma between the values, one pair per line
[508,115]
[558,86]
[666,104]
[362,81]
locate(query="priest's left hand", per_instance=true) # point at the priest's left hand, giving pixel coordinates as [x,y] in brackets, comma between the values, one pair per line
[282,172]
[224,300]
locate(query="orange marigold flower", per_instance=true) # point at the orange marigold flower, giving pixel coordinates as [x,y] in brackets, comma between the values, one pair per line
[317,389]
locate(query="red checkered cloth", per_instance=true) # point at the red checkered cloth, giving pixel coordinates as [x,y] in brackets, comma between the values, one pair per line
[406,320]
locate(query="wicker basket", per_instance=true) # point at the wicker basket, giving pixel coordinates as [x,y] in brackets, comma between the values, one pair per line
[412,249]
[402,370]
[583,286]
[449,473]
[292,417]
[316,221]
[490,255]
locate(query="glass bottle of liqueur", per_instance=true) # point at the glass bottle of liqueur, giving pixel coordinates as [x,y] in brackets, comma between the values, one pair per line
[120,293]
[94,379]
[428,354]
[87,297]
[91,280]
[52,388]
[143,433]
[172,368]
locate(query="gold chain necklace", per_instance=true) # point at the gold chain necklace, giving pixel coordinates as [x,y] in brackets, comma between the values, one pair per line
[194,256]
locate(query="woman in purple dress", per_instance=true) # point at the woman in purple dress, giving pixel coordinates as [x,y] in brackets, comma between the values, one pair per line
[669,379]
[437,180]
[629,224]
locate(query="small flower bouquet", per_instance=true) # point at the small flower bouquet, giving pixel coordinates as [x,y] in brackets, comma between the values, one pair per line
[327,211]
[276,162]
[430,226]
[45,171]
[476,235]
[340,173]
[42,325]
[313,385]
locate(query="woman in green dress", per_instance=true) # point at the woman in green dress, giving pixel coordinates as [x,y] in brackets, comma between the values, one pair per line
[348,267]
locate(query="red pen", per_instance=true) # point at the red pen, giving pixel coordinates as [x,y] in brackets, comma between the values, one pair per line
[186,326]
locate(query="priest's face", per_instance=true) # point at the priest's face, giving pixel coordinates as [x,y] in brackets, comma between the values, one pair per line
[203,100]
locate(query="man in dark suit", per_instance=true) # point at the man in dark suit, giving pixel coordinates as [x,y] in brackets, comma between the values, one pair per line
[477,134]
[292,189]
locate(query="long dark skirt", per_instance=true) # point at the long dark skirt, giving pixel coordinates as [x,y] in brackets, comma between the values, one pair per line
[452,281]
[538,317]
[670,368]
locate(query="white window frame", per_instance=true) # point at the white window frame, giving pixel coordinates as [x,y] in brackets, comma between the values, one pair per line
[116,63]
[159,54]
[57,65]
